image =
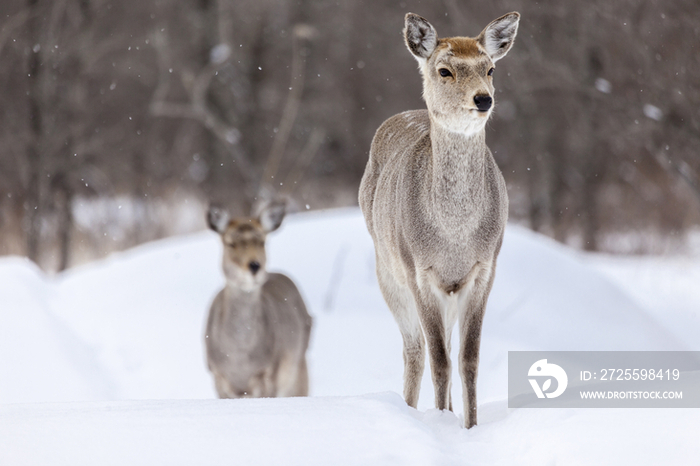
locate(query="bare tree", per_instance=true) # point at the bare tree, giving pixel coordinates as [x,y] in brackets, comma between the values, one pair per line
[148,101]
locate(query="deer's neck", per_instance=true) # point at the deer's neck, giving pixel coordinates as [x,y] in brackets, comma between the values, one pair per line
[242,305]
[457,181]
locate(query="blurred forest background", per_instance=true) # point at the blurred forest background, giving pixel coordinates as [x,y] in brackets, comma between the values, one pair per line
[122,119]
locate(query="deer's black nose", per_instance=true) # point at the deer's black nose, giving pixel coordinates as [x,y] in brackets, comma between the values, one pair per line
[254,266]
[483,102]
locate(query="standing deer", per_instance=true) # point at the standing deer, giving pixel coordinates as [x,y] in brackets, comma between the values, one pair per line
[258,327]
[436,206]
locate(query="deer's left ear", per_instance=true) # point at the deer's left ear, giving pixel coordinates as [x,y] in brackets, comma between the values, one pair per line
[498,37]
[272,215]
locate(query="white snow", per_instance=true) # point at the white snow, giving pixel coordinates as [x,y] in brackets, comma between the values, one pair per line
[653,112]
[104,364]
[603,85]
[220,53]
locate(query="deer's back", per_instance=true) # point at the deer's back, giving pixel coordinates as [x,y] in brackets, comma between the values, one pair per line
[392,152]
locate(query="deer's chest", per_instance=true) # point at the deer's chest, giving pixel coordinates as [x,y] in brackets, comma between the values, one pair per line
[242,339]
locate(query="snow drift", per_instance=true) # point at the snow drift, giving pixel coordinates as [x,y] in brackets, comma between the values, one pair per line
[130,328]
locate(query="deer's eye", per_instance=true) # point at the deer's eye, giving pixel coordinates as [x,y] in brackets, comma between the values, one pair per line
[444,72]
[490,73]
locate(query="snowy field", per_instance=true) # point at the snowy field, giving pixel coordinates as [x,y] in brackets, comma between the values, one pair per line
[104,364]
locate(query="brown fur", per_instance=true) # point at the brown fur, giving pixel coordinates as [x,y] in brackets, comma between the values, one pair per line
[462,46]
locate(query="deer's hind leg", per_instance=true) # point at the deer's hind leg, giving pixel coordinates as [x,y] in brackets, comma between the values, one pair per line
[403,308]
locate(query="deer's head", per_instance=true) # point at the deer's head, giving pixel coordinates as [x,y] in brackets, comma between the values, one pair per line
[458,71]
[244,243]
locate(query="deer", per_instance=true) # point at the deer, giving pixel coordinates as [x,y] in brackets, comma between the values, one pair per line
[436,205]
[258,328]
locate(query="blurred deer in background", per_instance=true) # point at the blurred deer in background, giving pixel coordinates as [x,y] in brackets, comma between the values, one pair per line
[436,206]
[258,327]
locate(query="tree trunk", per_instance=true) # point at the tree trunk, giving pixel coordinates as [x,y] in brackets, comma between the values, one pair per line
[65,226]
[34,205]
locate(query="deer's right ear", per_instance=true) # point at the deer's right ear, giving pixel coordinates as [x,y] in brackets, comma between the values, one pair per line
[218,219]
[272,215]
[420,36]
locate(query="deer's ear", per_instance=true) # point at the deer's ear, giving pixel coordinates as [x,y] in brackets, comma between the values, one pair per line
[272,215]
[420,36]
[218,218]
[498,37]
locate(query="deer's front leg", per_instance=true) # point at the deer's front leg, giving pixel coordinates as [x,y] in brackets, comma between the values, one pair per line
[469,366]
[471,320]
[430,315]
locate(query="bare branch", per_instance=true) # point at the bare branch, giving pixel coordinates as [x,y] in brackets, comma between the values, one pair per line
[196,109]
[291,108]
[303,161]
[680,169]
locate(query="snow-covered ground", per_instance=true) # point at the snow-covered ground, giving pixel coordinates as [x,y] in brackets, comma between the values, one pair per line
[104,364]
